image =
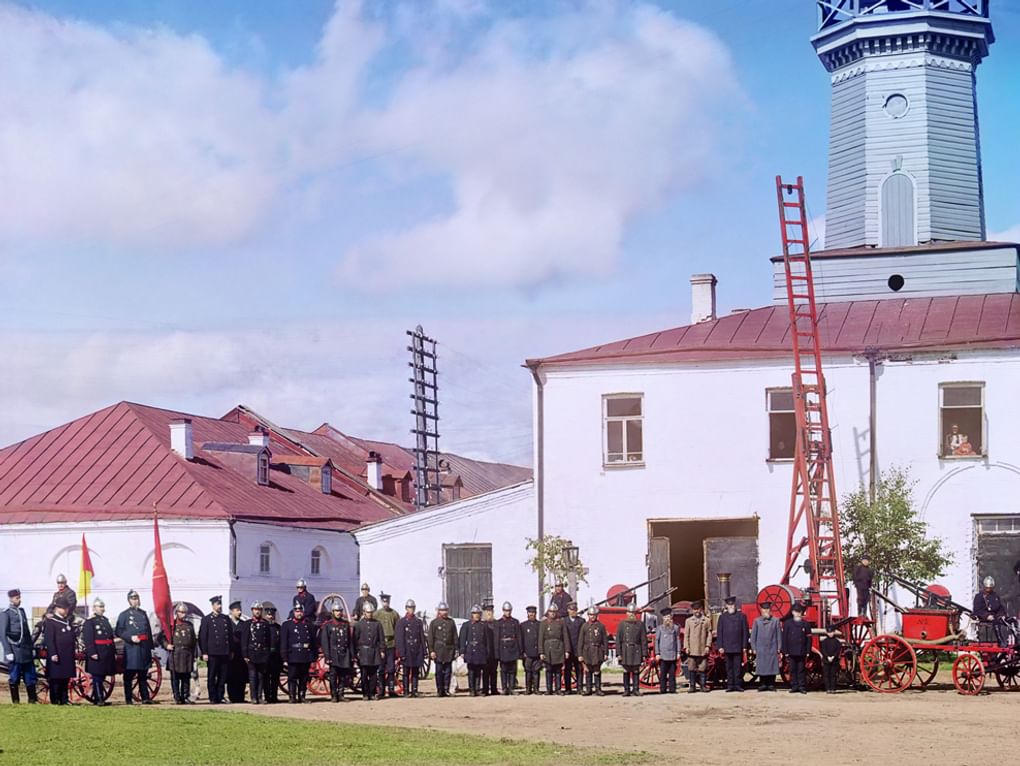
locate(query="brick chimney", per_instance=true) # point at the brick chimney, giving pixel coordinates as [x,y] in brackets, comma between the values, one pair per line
[181,439]
[259,437]
[375,471]
[703,297]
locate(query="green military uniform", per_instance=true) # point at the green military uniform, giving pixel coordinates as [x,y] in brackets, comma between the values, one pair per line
[387,618]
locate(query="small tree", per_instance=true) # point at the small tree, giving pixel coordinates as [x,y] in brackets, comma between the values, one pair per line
[891,533]
[550,560]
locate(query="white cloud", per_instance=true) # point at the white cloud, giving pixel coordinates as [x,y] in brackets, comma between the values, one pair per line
[1009,235]
[554,133]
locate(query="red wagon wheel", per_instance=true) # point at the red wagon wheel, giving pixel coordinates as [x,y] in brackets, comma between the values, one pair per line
[782,598]
[888,664]
[153,679]
[1007,672]
[968,674]
[814,678]
[318,678]
[648,676]
[42,686]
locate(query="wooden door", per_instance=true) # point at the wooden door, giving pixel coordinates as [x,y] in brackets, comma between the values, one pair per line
[467,580]
[658,572]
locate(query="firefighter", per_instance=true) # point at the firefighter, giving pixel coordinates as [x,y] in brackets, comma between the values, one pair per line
[134,629]
[411,647]
[16,642]
[307,599]
[863,577]
[299,650]
[274,667]
[442,640]
[697,644]
[530,647]
[766,638]
[492,666]
[237,668]
[369,650]
[100,654]
[796,646]
[216,644]
[387,618]
[731,637]
[182,644]
[476,648]
[593,648]
[336,639]
[667,651]
[989,611]
[256,640]
[631,649]
[560,597]
[69,596]
[553,643]
[508,648]
[572,665]
[366,597]
[59,642]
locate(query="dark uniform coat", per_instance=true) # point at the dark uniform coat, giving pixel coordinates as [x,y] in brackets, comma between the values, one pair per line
[70,598]
[185,643]
[15,635]
[796,637]
[561,600]
[135,622]
[631,642]
[100,651]
[508,640]
[593,644]
[475,642]
[552,640]
[410,640]
[988,605]
[369,643]
[256,636]
[337,642]
[862,578]
[529,638]
[214,635]
[731,632]
[59,641]
[443,639]
[297,641]
[573,626]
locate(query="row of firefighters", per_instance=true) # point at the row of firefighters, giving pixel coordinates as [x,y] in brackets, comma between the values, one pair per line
[570,649]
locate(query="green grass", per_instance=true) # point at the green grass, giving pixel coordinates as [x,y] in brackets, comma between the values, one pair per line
[122,736]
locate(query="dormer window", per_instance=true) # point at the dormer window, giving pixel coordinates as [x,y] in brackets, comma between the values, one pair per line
[327,480]
[262,475]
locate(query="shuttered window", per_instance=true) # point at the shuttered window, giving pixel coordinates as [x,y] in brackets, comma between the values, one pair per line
[467,576]
[782,423]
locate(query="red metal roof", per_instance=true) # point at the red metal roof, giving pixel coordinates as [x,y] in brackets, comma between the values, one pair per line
[117,464]
[894,325]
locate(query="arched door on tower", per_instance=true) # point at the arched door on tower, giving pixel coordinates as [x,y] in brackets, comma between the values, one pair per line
[898,211]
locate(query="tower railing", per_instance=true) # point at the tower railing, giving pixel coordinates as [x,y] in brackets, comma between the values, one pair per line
[832,12]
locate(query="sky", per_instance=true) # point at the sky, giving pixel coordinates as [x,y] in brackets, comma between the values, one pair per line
[206,204]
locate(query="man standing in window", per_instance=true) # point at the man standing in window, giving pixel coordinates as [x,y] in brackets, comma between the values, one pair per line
[215,643]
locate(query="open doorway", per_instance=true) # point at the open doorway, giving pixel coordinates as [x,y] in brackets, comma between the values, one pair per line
[688,554]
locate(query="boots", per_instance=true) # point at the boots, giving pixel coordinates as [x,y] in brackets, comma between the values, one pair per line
[15,694]
[292,692]
[701,680]
[598,686]
[33,696]
[692,682]
[635,685]
[626,683]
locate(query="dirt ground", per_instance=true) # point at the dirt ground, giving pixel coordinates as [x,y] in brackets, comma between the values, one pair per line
[934,726]
[718,728]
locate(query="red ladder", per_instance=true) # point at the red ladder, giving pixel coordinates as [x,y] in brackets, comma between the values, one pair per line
[813,497]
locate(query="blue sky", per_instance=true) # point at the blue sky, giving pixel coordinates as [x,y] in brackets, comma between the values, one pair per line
[249,201]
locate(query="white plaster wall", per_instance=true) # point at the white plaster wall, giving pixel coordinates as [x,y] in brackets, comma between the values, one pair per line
[290,559]
[706,447]
[404,556]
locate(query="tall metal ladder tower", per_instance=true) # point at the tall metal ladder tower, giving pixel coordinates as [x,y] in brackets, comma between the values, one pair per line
[425,377]
[813,497]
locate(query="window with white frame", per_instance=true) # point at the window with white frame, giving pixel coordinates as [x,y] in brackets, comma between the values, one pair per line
[316,565]
[623,425]
[265,552]
[962,420]
[263,469]
[782,423]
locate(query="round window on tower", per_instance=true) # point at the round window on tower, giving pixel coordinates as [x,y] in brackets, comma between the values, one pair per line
[896,105]
[896,283]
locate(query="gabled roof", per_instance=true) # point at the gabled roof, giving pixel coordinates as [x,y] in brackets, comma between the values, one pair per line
[117,464]
[893,325]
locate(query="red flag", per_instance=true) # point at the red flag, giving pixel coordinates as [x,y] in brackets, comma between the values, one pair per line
[86,573]
[161,603]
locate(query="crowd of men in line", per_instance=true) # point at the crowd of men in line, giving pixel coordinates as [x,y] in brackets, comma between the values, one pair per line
[374,642]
